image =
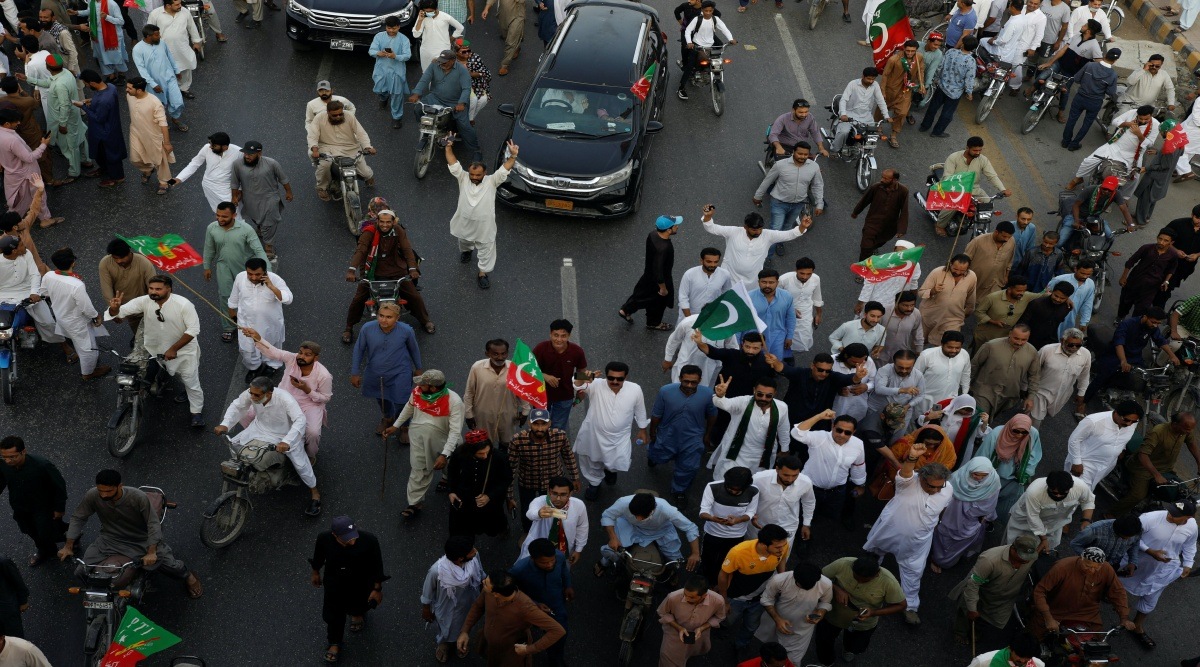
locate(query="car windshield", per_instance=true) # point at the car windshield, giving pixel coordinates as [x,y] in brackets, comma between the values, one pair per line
[574,109]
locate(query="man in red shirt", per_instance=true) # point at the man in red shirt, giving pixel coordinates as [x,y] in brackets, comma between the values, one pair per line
[560,360]
[772,654]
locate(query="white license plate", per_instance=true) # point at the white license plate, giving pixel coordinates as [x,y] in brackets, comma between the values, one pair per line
[341,44]
[89,604]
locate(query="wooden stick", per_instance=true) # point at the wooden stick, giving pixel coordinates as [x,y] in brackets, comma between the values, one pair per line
[224,314]
[384,440]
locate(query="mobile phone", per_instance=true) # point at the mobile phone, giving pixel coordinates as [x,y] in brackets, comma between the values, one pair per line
[689,638]
[581,374]
[295,378]
[387,50]
[46,135]
[814,618]
[709,207]
[558,514]
[457,503]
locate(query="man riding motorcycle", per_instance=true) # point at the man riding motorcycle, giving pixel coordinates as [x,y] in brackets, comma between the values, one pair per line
[129,528]
[791,128]
[338,133]
[1130,136]
[859,101]
[643,519]
[20,280]
[1094,202]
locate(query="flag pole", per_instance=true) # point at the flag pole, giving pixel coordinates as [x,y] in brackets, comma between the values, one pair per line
[200,296]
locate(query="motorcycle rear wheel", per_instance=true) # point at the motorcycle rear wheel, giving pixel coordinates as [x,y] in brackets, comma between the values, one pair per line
[6,385]
[226,524]
[1180,400]
[625,655]
[814,12]
[123,437]
[1032,118]
[1115,17]
[424,157]
[1101,281]
[985,107]
[94,652]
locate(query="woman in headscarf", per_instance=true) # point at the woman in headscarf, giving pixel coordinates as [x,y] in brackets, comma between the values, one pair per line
[963,423]
[938,449]
[961,530]
[1014,451]
[373,209]
[479,479]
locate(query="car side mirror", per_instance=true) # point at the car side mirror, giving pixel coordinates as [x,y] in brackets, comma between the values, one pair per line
[507,110]
[654,127]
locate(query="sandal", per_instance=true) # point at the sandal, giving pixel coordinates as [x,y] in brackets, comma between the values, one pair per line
[63,181]
[430,328]
[598,570]
[194,589]
[226,336]
[1170,12]
[145,178]
[347,336]
[331,655]
[36,560]
[181,126]
[1145,640]
[357,626]
[661,326]
[409,513]
[72,358]
[441,653]
[162,189]
[741,10]
[627,318]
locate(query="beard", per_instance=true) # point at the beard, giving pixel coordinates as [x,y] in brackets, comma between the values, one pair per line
[337,121]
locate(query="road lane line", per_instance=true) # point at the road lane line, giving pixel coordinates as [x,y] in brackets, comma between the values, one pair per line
[325,66]
[570,298]
[794,57]
[1027,160]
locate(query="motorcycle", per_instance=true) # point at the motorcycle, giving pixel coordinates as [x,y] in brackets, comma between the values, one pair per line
[1090,243]
[383,291]
[1111,167]
[251,469]
[436,123]
[111,586]
[1078,646]
[711,62]
[196,9]
[1112,109]
[646,570]
[13,338]
[1116,485]
[814,12]
[991,76]
[1045,94]
[1185,390]
[977,221]
[343,186]
[137,380]
[859,147]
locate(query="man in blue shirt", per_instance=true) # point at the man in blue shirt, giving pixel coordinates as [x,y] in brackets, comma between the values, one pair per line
[961,24]
[680,424]
[1085,294]
[775,309]
[546,578]
[1096,81]
[644,519]
[448,83]
[1128,349]
[956,78]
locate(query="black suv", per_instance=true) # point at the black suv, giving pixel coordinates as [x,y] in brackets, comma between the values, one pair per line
[342,25]
[584,135]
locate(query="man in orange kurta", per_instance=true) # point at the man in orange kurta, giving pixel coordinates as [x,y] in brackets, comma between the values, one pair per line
[903,73]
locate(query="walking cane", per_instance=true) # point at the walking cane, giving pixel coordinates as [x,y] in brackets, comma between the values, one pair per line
[973,637]
[384,439]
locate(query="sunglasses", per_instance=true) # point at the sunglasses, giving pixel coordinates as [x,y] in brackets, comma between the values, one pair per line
[1021,432]
[158,314]
[614,378]
[822,370]
[844,431]
[1011,309]
[759,394]
[934,486]
[1072,346]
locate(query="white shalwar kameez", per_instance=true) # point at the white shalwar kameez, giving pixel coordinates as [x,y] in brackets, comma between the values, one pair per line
[805,296]
[905,530]
[697,288]
[178,32]
[603,442]
[575,526]
[258,308]
[20,279]
[794,604]
[74,312]
[178,318]
[474,221]
[855,406]
[744,256]
[217,171]
[1190,127]
[1152,576]
[1036,513]
[1096,443]
[885,292]
[279,420]
[1064,376]
[681,346]
[751,452]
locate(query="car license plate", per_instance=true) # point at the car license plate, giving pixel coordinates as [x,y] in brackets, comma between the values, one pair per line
[341,44]
[97,604]
[560,204]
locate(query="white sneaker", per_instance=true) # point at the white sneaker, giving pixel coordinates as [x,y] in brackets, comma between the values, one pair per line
[910,617]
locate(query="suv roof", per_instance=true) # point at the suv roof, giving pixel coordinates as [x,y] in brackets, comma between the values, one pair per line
[603,43]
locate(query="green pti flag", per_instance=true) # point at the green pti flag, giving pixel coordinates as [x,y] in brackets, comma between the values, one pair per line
[642,88]
[525,377]
[169,253]
[888,29]
[952,193]
[137,638]
[729,314]
[878,268]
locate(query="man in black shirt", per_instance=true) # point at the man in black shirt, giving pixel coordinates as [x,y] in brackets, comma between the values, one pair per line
[1044,315]
[811,391]
[37,494]
[742,367]
[1187,241]
[684,14]
[353,578]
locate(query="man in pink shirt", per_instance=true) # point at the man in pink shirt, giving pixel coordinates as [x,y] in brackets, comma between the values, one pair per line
[307,380]
[20,166]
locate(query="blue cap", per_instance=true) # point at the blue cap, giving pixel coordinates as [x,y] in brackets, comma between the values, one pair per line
[665,222]
[539,415]
[343,527]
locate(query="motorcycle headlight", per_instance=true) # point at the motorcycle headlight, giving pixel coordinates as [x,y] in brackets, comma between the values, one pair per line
[403,14]
[1050,85]
[6,334]
[124,381]
[615,177]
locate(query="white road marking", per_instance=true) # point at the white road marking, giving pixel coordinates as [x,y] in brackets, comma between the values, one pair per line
[794,57]
[325,66]
[570,298]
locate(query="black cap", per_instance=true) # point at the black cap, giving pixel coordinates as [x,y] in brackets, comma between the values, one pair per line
[9,244]
[252,147]
[1112,54]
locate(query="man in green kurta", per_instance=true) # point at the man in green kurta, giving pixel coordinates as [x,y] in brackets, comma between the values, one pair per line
[995,582]
[65,123]
[228,243]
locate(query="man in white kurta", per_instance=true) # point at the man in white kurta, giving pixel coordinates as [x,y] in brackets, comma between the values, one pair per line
[751,452]
[1046,507]
[217,158]
[20,280]
[805,287]
[257,302]
[76,317]
[35,68]
[905,528]
[747,247]
[1066,368]
[1166,552]
[182,38]
[946,369]
[474,221]
[1134,135]
[701,284]
[786,499]
[682,349]
[574,525]
[787,606]
[603,445]
[279,421]
[1095,444]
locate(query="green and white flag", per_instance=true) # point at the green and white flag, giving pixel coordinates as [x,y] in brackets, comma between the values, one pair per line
[729,314]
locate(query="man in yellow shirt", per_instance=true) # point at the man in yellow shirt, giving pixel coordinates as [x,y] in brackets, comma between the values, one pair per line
[744,574]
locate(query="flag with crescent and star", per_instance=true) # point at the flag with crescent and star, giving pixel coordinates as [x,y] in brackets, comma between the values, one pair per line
[729,314]
[878,268]
[525,377]
[888,28]
[953,193]
[136,638]
[169,253]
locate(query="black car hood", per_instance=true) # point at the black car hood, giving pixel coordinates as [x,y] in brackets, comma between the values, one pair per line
[362,7]
[571,156]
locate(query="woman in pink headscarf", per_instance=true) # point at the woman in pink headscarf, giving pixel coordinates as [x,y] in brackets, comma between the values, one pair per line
[1014,451]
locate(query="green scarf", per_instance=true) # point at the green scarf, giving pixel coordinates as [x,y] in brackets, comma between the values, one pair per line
[1002,658]
[739,436]
[1021,470]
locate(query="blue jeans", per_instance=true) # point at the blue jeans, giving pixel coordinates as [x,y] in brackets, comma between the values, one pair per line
[784,214]
[560,414]
[1067,228]
[751,613]
[1081,106]
[946,105]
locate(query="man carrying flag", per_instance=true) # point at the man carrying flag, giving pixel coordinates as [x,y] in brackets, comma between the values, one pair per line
[731,313]
[881,268]
[434,433]
[971,160]
[702,33]
[887,27]
[108,44]
[490,403]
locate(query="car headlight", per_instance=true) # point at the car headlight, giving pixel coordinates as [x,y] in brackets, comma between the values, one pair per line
[616,176]
[298,8]
[522,170]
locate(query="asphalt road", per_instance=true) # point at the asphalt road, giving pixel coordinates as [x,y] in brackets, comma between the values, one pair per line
[259,608]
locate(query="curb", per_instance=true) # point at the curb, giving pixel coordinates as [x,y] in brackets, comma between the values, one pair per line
[1161,29]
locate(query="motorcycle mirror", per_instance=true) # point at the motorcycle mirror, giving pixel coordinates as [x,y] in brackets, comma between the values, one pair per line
[507,110]
[654,127]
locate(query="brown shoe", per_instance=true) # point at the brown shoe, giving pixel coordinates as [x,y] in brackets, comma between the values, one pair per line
[322,195]
[100,372]
[194,588]
[504,71]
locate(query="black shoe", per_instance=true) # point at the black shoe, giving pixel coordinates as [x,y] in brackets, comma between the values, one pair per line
[591,493]
[610,477]
[940,135]
[779,249]
[922,128]
[680,501]
[464,257]
[483,282]
[682,94]
[251,25]
[241,16]
[314,507]
[397,124]
[187,94]
[180,397]
[1064,143]
[1073,147]
[197,421]
[845,18]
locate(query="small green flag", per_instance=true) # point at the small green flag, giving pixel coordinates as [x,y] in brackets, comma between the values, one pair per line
[729,314]
[525,377]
